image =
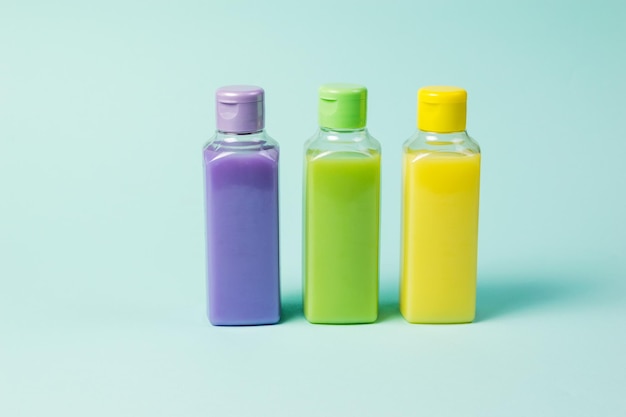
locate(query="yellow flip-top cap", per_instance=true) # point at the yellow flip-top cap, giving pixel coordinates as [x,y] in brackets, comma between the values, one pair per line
[441,109]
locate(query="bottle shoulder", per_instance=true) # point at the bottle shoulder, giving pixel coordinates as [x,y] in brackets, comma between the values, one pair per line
[227,145]
[329,141]
[242,140]
[459,142]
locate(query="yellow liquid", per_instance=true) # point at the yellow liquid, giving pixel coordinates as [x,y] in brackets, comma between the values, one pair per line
[439,237]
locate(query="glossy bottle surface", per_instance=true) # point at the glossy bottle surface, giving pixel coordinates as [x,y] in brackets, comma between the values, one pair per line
[441,181]
[341,228]
[439,236]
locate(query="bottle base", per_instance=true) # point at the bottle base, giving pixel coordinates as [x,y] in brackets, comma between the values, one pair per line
[224,321]
[427,319]
[313,319]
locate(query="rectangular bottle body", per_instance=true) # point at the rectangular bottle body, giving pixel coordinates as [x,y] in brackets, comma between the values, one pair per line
[341,237]
[439,236]
[242,236]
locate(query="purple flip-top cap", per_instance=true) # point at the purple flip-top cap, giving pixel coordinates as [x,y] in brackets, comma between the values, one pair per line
[240,109]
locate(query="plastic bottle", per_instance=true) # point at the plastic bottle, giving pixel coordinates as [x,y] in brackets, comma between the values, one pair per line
[241,190]
[341,211]
[441,175]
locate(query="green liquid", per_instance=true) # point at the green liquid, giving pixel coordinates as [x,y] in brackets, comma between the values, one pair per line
[341,237]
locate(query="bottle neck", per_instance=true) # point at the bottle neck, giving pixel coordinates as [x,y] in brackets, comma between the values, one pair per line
[344,135]
[448,137]
[330,129]
[224,132]
[236,137]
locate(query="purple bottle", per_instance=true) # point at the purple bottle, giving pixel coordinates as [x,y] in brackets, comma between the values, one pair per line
[241,190]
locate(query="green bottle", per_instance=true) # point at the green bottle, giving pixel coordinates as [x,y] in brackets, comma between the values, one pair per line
[341,211]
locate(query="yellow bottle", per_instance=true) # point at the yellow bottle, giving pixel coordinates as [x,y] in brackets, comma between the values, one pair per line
[441,179]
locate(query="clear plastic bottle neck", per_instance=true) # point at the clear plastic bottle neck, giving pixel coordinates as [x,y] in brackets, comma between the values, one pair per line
[339,131]
[344,135]
[451,137]
[236,135]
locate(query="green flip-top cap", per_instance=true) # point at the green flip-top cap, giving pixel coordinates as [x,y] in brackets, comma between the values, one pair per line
[342,106]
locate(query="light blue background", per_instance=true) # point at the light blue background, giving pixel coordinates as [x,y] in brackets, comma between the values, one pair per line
[104,109]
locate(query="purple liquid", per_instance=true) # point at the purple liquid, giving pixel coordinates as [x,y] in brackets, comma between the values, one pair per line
[242,235]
